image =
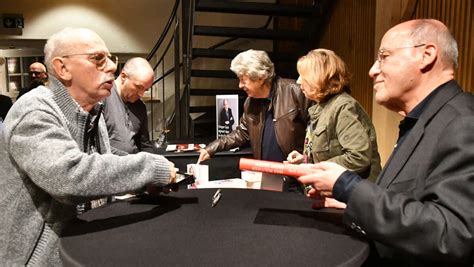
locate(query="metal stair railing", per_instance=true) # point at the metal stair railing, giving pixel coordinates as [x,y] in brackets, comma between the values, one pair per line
[188,8]
[173,19]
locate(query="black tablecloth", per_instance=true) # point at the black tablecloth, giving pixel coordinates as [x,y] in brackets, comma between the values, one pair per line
[247,227]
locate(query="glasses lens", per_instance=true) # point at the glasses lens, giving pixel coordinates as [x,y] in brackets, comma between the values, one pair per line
[113,58]
[101,60]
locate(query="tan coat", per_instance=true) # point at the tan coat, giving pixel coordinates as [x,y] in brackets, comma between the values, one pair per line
[342,132]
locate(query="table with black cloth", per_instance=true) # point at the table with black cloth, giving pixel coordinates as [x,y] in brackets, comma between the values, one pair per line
[246,228]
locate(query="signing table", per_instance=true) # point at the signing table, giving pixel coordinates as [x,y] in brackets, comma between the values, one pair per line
[246,227]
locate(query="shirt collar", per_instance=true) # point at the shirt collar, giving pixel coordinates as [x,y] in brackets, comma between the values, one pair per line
[418,110]
[412,117]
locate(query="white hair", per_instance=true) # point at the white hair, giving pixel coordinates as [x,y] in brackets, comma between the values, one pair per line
[63,43]
[254,63]
[429,30]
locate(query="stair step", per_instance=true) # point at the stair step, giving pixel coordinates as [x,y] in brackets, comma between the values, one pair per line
[213,92]
[213,73]
[205,120]
[249,33]
[215,53]
[254,8]
[230,54]
[199,109]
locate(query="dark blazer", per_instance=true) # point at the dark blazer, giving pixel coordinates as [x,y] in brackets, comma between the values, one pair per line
[420,212]
[226,116]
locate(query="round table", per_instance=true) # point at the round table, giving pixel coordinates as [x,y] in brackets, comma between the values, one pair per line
[246,227]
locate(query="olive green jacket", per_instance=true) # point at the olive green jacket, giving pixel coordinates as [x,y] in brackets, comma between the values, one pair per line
[342,132]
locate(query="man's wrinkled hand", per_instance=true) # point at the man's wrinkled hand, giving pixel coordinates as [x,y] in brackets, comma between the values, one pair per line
[324,177]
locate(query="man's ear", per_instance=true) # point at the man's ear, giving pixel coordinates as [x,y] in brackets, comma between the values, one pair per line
[61,69]
[123,76]
[430,56]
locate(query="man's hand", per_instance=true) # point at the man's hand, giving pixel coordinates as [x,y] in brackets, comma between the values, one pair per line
[203,156]
[323,179]
[295,157]
[327,202]
[172,172]
[154,190]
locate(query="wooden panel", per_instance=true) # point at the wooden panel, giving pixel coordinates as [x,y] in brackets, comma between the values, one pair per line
[350,33]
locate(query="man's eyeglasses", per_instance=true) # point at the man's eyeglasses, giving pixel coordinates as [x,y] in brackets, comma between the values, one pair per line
[35,73]
[100,59]
[382,54]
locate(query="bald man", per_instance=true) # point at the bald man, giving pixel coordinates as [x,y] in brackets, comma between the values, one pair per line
[419,212]
[125,114]
[55,153]
[38,76]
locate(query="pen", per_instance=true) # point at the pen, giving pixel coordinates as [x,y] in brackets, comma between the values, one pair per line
[216,198]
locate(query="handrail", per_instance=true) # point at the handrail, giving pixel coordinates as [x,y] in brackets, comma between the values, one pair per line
[214,46]
[164,53]
[165,31]
[158,44]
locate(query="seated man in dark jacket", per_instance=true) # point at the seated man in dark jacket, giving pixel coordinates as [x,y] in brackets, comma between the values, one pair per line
[419,211]
[275,111]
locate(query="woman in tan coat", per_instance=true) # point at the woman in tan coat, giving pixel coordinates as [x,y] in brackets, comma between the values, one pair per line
[339,130]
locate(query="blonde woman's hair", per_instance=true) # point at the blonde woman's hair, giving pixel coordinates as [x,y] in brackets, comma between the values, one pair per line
[254,63]
[324,71]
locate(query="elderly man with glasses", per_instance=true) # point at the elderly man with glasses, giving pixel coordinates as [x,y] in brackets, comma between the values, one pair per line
[55,151]
[124,111]
[420,210]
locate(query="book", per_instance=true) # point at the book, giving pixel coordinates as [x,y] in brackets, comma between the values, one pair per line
[273,167]
[184,147]
[227,114]
[226,183]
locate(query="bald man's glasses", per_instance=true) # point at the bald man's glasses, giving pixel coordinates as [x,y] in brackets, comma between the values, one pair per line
[384,53]
[100,59]
[36,73]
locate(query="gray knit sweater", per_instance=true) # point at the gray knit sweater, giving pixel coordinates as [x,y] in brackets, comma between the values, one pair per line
[45,172]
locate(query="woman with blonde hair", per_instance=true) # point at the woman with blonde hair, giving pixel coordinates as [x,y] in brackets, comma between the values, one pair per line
[339,130]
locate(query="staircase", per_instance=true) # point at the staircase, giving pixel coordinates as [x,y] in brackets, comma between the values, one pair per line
[286,32]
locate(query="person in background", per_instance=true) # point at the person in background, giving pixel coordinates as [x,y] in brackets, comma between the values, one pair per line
[339,129]
[125,113]
[55,152]
[38,76]
[275,111]
[226,118]
[419,211]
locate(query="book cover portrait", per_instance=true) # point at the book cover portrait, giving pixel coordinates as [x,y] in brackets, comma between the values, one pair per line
[227,110]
